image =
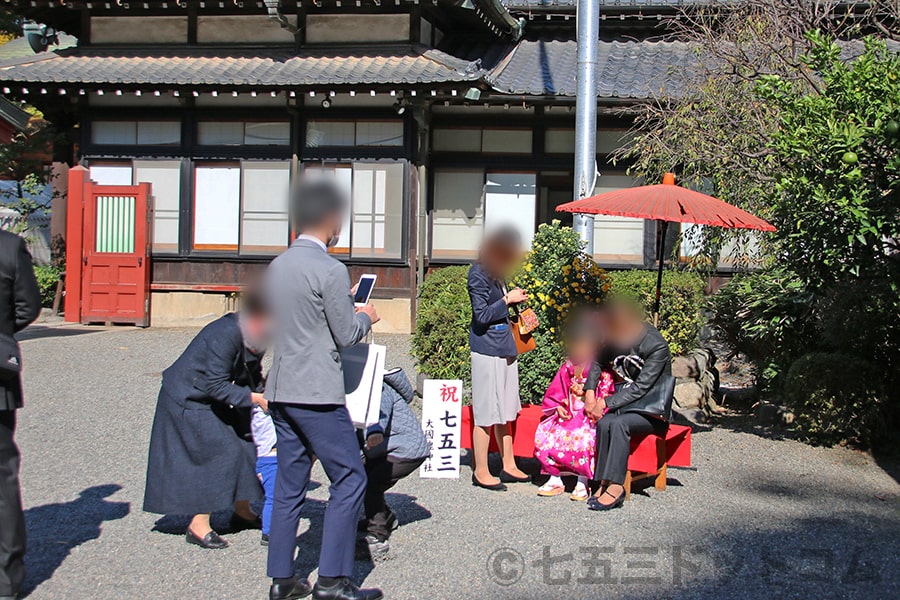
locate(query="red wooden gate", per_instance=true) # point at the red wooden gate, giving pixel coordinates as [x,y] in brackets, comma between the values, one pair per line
[108,258]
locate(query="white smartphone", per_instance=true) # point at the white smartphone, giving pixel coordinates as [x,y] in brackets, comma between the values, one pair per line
[364,289]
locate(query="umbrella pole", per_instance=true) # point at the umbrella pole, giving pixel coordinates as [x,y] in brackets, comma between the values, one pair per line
[662,226]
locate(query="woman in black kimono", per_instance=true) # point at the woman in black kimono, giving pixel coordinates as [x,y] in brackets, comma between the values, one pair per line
[202,456]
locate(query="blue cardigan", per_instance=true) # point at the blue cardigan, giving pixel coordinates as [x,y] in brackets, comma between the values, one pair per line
[489,333]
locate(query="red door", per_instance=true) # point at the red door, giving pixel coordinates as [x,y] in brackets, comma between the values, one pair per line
[116,277]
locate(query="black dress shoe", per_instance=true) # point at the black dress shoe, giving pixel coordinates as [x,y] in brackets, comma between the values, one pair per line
[211,541]
[345,590]
[239,523]
[497,487]
[509,478]
[595,504]
[264,540]
[290,591]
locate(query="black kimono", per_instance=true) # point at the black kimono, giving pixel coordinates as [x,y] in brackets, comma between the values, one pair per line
[202,456]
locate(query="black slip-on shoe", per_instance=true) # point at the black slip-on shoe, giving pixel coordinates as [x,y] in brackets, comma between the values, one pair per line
[497,487]
[510,478]
[211,541]
[594,504]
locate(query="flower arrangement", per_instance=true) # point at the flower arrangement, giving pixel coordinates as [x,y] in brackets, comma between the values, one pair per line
[559,277]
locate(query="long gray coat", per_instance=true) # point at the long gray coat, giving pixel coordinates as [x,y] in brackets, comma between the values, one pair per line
[314,319]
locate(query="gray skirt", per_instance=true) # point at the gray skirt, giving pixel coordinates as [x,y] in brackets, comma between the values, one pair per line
[495,390]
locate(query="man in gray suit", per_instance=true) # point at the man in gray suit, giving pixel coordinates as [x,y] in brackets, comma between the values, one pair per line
[313,320]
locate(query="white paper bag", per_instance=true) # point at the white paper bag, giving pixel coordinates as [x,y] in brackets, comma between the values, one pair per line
[363,366]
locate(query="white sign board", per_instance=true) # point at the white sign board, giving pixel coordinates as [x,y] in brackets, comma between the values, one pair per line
[442,424]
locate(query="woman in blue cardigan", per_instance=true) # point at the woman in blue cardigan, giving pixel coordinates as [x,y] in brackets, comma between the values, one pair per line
[495,370]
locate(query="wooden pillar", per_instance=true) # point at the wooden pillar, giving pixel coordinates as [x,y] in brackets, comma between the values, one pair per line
[78,177]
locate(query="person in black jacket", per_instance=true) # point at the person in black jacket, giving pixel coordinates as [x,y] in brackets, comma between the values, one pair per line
[202,456]
[640,356]
[20,305]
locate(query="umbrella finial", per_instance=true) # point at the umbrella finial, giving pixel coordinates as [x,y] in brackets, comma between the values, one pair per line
[669,179]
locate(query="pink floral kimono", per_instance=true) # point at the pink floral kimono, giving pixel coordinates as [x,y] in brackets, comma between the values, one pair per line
[568,446]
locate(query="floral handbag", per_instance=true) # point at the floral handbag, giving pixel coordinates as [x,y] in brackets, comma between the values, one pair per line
[527,321]
[524,323]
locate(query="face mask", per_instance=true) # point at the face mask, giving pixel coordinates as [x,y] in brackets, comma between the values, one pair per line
[334,239]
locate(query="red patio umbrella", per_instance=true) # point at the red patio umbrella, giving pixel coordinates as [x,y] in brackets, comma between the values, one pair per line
[666,202]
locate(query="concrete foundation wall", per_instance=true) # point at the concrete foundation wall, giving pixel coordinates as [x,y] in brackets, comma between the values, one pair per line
[188,309]
[196,309]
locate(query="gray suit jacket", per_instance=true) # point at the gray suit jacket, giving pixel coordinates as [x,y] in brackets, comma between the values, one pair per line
[313,320]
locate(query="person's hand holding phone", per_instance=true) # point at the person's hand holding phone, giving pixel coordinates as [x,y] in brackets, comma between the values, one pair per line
[516,296]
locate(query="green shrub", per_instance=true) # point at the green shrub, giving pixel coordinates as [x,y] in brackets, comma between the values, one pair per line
[769,316]
[863,323]
[440,343]
[559,277]
[47,276]
[680,316]
[836,398]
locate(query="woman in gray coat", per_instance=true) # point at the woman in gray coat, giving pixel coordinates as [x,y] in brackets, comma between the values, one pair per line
[202,457]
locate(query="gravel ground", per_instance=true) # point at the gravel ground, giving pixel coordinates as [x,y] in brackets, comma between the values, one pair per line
[756,518]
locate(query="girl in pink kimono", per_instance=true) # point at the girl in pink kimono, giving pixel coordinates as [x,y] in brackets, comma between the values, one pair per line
[565,441]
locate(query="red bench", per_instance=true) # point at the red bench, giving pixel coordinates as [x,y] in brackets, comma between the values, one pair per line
[650,456]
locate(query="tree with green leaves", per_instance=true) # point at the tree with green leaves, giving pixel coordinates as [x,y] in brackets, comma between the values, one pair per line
[836,153]
[792,111]
[715,130]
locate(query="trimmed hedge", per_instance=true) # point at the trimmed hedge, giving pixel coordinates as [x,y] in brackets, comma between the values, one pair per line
[680,318]
[440,343]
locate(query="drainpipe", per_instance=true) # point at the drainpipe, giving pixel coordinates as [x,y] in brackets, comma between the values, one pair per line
[274,8]
[421,114]
[588,37]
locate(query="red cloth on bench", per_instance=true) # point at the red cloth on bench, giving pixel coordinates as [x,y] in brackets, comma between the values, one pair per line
[643,450]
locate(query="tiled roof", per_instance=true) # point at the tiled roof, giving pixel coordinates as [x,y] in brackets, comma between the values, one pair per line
[259,68]
[13,114]
[627,69]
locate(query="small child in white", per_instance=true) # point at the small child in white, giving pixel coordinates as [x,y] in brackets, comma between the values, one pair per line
[266,462]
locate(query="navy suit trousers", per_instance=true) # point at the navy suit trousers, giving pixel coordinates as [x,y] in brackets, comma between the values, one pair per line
[324,431]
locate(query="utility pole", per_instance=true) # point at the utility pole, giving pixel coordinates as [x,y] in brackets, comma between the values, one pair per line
[588,38]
